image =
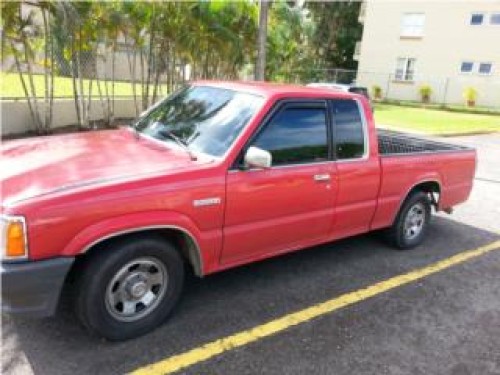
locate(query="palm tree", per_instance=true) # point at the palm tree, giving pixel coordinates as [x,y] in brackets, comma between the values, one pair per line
[260,66]
[21,36]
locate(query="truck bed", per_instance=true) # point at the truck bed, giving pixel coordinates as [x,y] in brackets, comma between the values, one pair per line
[395,143]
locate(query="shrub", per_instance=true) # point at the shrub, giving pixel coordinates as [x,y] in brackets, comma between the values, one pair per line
[470,95]
[377,92]
[425,92]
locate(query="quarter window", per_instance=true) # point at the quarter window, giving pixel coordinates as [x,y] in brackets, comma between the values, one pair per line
[495,19]
[349,136]
[477,19]
[296,135]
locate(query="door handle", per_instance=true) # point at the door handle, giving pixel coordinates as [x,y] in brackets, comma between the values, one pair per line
[322,177]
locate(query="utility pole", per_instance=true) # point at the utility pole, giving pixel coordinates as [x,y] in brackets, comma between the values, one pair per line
[260,66]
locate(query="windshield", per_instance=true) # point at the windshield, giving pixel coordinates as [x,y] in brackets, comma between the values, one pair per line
[205,119]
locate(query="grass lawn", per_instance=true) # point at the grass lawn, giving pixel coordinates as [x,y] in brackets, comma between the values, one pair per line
[10,87]
[434,121]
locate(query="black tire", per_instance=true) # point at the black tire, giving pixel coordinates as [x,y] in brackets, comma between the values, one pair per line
[95,288]
[400,236]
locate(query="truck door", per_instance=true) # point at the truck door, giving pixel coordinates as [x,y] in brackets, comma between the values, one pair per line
[291,204]
[358,171]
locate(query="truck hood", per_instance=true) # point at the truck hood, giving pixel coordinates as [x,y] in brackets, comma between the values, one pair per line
[40,166]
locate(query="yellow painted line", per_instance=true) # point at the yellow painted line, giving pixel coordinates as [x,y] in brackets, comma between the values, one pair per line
[214,348]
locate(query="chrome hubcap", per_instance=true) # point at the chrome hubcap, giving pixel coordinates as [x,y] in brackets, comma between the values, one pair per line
[136,289]
[414,221]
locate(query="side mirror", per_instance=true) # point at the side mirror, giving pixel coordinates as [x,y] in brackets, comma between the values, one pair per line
[258,158]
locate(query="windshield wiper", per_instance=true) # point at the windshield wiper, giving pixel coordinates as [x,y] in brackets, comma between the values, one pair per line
[180,142]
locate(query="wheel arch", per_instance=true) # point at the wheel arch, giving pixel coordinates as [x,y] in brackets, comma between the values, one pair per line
[184,241]
[179,230]
[429,186]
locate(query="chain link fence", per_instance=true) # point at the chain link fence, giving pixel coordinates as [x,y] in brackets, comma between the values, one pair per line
[443,90]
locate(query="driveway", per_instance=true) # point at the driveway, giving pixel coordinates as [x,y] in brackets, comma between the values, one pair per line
[445,323]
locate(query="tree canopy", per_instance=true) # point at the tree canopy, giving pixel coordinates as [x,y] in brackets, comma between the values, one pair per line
[171,41]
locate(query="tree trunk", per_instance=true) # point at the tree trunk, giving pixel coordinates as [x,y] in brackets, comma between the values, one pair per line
[143,88]
[131,69]
[101,99]
[260,66]
[73,79]
[89,103]
[38,122]
[46,124]
[158,72]
[81,92]
[151,55]
[52,67]
[23,84]
[113,68]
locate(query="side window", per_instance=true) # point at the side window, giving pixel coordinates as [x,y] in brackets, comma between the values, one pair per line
[349,136]
[296,135]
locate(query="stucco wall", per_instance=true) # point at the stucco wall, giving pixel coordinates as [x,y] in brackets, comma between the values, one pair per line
[448,39]
[16,117]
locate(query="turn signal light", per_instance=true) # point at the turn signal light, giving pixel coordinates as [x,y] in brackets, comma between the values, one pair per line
[15,243]
[13,238]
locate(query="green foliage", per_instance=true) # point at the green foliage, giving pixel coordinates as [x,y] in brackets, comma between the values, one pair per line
[470,95]
[304,42]
[377,92]
[336,32]
[425,92]
[171,41]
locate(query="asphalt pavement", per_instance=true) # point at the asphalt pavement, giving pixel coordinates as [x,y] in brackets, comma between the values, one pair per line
[446,323]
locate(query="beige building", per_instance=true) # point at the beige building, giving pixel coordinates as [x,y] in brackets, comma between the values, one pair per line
[449,45]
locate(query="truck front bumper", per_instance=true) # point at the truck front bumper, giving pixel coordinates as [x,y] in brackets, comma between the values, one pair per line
[33,288]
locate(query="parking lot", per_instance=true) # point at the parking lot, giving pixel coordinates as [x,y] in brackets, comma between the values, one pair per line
[445,323]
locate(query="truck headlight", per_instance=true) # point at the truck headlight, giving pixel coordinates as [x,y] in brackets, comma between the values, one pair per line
[13,238]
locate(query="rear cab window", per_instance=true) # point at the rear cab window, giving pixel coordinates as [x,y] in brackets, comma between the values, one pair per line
[349,135]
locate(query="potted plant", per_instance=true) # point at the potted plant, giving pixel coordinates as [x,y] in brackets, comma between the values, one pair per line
[377,92]
[470,95]
[425,92]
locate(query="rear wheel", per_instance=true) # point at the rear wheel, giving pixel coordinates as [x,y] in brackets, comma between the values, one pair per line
[129,287]
[410,226]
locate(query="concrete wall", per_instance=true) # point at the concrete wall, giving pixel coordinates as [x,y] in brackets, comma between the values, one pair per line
[16,117]
[448,39]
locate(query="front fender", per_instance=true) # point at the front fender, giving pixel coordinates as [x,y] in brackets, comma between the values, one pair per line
[206,243]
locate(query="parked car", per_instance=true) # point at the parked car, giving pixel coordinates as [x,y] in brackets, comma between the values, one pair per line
[344,87]
[215,176]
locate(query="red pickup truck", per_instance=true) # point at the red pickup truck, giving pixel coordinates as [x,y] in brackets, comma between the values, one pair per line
[214,176]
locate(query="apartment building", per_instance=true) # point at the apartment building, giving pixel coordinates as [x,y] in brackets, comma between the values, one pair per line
[449,45]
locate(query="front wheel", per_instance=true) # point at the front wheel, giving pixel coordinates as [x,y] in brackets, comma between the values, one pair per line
[410,226]
[129,287]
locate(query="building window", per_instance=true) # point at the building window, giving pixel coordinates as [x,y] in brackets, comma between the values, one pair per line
[495,19]
[412,25]
[485,68]
[466,67]
[476,19]
[405,69]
